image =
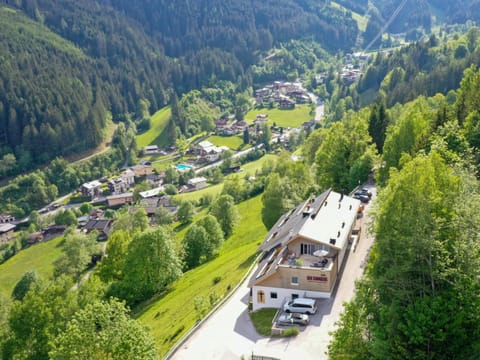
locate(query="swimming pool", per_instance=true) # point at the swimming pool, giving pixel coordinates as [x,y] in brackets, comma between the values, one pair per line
[183,167]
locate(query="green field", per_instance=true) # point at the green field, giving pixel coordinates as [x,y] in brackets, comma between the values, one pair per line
[156,134]
[285,118]
[38,257]
[232,142]
[174,314]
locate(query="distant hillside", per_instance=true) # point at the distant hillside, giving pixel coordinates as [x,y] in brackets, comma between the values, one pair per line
[72,61]
[49,103]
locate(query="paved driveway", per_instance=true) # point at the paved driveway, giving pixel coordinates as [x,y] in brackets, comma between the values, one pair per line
[229,333]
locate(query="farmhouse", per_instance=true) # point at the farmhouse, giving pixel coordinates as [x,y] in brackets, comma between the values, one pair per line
[304,251]
[103,227]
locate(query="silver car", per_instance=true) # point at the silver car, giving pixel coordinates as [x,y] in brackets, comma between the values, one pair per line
[293,318]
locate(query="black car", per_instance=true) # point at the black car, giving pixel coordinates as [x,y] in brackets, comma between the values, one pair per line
[363,198]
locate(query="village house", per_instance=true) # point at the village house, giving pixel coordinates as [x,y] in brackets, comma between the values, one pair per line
[151,149]
[152,204]
[103,226]
[284,94]
[6,232]
[120,199]
[117,186]
[91,189]
[7,219]
[286,103]
[128,176]
[261,119]
[197,183]
[142,170]
[309,126]
[206,151]
[240,126]
[152,192]
[304,251]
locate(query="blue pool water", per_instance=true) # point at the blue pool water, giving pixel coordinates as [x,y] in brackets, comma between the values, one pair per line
[183,167]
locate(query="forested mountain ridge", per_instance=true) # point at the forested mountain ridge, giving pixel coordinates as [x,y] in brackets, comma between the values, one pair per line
[133,51]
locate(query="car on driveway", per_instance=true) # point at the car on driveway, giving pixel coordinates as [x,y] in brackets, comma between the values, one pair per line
[293,318]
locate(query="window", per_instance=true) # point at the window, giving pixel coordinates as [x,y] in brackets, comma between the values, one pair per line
[294,280]
[273,295]
[261,297]
[294,296]
[311,248]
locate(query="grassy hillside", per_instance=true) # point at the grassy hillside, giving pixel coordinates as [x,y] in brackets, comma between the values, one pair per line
[174,314]
[39,257]
[285,118]
[156,134]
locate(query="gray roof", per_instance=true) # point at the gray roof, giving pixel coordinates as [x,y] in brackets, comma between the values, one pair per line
[290,223]
[322,219]
[6,227]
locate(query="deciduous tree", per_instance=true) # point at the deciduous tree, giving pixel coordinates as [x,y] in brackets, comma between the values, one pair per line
[150,266]
[223,208]
[103,330]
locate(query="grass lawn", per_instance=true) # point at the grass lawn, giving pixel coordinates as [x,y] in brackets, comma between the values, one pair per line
[172,315]
[286,118]
[38,257]
[262,320]
[233,142]
[156,134]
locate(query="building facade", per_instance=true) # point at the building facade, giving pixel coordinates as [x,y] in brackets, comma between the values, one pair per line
[304,251]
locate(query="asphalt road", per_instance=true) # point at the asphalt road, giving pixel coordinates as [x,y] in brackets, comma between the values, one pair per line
[229,332]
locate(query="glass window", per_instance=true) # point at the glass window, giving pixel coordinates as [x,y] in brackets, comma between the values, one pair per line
[294,280]
[273,295]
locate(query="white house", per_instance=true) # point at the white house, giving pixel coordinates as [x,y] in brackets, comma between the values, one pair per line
[304,251]
[91,189]
[151,193]
[151,149]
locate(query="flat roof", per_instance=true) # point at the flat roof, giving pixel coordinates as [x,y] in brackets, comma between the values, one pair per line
[6,227]
[332,223]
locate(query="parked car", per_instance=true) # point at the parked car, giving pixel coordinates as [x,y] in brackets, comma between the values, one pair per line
[301,305]
[363,198]
[365,191]
[293,318]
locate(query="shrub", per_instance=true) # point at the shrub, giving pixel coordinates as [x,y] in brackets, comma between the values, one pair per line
[291,331]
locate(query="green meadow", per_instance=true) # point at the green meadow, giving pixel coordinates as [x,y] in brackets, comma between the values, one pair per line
[173,314]
[156,134]
[285,118]
[38,257]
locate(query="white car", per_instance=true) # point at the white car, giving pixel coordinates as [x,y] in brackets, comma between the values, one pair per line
[293,318]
